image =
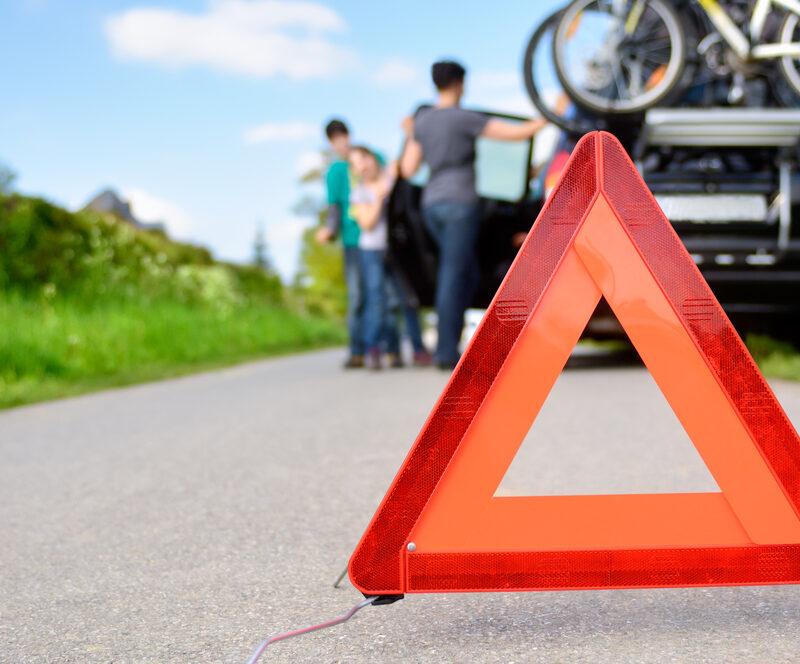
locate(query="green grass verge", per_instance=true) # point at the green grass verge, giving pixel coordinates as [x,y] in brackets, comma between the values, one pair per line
[776,359]
[65,347]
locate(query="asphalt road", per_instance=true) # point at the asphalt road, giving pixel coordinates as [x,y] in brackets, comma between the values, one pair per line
[184,521]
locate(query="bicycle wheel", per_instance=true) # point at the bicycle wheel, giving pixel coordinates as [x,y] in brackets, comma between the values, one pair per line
[548,100]
[617,57]
[790,67]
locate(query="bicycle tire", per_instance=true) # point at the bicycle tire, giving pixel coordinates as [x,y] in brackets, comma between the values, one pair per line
[667,89]
[569,125]
[791,76]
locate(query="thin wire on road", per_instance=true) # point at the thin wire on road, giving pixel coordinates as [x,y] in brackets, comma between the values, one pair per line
[278,637]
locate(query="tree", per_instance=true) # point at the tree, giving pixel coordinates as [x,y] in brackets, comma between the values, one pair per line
[316,173]
[320,279]
[260,257]
[7,177]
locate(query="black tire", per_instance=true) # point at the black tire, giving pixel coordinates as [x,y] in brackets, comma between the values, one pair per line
[669,86]
[575,127]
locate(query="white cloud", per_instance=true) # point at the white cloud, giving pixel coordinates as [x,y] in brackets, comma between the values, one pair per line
[149,208]
[261,39]
[281,131]
[395,72]
[308,161]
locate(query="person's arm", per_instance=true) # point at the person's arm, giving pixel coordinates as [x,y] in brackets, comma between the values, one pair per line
[411,159]
[393,169]
[369,207]
[332,225]
[505,131]
[335,185]
[323,235]
[368,214]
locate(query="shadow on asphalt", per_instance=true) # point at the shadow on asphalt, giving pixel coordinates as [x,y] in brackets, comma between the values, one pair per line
[600,358]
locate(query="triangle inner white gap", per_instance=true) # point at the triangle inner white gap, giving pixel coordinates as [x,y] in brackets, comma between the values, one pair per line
[606,431]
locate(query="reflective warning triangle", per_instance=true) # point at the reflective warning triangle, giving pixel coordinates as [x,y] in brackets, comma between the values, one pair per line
[441,527]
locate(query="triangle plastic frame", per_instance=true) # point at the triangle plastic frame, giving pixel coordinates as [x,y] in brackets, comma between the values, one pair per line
[440,526]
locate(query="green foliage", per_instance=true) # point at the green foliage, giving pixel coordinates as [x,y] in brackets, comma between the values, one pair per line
[320,283]
[7,177]
[260,259]
[66,345]
[320,280]
[776,359]
[46,249]
[316,174]
[259,285]
[88,301]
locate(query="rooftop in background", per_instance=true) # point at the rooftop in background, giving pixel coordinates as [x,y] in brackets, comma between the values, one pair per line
[108,201]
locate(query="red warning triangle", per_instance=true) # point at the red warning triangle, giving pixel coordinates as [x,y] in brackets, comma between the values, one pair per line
[441,527]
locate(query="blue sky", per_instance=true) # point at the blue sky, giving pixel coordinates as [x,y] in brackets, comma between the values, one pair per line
[204,113]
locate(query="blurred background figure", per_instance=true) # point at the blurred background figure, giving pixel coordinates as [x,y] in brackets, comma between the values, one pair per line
[443,136]
[410,313]
[369,202]
[338,220]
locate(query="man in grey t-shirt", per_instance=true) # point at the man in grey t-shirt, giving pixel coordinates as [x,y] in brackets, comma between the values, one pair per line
[443,136]
[447,137]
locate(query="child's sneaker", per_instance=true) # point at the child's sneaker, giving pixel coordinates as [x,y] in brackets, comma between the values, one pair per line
[354,362]
[374,359]
[422,358]
[395,360]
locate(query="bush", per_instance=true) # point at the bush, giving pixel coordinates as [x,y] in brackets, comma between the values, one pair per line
[47,250]
[88,301]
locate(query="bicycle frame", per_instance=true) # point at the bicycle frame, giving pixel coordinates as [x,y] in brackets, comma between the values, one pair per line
[739,42]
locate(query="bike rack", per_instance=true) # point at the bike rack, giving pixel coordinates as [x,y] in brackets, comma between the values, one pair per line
[722,127]
[732,127]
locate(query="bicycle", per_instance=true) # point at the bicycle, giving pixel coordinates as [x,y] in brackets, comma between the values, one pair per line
[538,76]
[621,57]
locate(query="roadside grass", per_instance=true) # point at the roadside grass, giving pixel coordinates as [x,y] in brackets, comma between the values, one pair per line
[51,349]
[776,359]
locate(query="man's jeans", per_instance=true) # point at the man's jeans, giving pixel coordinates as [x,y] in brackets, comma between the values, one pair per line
[355,299]
[454,227]
[380,314]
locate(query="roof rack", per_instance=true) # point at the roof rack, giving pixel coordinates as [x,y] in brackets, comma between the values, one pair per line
[722,127]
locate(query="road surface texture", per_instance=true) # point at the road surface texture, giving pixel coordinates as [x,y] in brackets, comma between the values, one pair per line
[185,521]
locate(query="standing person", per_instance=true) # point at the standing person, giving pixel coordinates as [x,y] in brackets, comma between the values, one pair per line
[338,220]
[443,136]
[369,200]
[410,309]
